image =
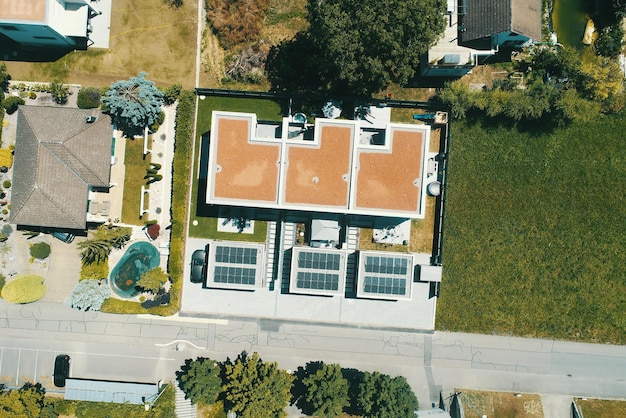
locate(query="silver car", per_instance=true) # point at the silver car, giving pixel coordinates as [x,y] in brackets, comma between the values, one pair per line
[198,266]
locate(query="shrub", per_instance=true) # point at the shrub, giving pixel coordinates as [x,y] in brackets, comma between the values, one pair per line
[88,98]
[153,231]
[32,95]
[24,289]
[59,92]
[6,184]
[97,271]
[171,93]
[6,157]
[41,250]
[3,281]
[11,103]
[88,295]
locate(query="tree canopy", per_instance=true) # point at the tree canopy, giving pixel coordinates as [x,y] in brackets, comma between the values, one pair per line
[133,104]
[200,380]
[255,388]
[327,391]
[152,280]
[356,47]
[381,396]
[88,295]
[25,402]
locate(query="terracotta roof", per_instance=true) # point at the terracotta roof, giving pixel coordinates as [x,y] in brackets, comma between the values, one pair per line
[58,157]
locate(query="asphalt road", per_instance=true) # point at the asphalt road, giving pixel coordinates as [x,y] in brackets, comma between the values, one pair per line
[146,349]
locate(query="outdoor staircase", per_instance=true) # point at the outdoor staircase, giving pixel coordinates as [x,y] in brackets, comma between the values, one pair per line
[352,238]
[270,253]
[184,408]
[288,240]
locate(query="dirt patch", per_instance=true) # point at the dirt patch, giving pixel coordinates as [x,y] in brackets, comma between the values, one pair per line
[477,403]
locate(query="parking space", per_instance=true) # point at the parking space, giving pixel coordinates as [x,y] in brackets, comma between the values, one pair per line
[21,365]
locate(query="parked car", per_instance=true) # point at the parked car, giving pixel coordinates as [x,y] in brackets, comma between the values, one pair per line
[61,369]
[63,236]
[198,266]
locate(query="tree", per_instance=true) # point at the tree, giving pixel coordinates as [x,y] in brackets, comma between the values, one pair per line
[11,103]
[200,379]
[25,402]
[88,295]
[357,46]
[327,391]
[5,79]
[254,388]
[134,104]
[380,396]
[153,279]
[88,98]
[117,236]
[59,92]
[171,93]
[95,251]
[153,231]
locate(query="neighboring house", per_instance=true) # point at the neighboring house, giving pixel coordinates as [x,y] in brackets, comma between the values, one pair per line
[46,24]
[490,24]
[61,154]
[477,29]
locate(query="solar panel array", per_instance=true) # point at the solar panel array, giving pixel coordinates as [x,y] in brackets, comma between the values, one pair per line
[383,275]
[317,271]
[234,266]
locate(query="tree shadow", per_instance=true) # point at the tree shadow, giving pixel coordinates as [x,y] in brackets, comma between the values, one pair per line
[298,389]
[354,378]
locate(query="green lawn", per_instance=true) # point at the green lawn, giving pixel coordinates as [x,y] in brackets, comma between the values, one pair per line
[135,167]
[207,225]
[534,236]
[601,408]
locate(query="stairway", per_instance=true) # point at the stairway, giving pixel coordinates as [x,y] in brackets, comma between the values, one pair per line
[270,252]
[184,408]
[352,238]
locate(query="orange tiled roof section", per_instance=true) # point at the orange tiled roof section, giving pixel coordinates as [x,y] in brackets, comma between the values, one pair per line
[387,179]
[318,175]
[245,170]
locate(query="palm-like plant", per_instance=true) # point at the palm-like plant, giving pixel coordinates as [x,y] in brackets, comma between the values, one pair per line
[95,251]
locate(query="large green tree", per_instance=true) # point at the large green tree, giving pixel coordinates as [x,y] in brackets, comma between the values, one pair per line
[382,396]
[152,280]
[134,104]
[25,402]
[255,388]
[200,380]
[356,46]
[327,391]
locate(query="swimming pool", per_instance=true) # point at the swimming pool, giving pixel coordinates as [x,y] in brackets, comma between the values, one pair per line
[138,258]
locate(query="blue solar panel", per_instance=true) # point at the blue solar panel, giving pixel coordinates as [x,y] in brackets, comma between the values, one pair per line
[235,255]
[386,265]
[317,281]
[319,261]
[384,285]
[234,275]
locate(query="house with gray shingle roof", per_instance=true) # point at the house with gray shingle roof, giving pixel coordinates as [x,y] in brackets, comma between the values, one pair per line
[489,24]
[60,155]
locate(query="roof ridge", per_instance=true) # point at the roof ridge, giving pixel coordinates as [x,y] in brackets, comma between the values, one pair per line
[44,145]
[58,206]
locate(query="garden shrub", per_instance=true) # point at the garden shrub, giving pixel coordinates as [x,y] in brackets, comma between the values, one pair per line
[6,157]
[153,231]
[32,95]
[88,98]
[6,184]
[24,289]
[88,295]
[3,281]
[95,271]
[11,103]
[40,250]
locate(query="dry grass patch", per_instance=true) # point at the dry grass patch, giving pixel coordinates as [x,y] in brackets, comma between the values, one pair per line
[477,403]
[145,36]
[601,408]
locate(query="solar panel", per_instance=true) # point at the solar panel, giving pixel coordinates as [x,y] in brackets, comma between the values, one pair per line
[386,265]
[319,261]
[235,255]
[384,285]
[234,275]
[317,281]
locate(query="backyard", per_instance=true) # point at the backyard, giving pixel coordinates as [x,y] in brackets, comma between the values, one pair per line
[135,167]
[534,234]
[145,36]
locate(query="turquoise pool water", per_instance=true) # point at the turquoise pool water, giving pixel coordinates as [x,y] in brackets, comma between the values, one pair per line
[138,258]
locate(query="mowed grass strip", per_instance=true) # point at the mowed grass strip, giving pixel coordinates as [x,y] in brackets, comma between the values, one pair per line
[534,236]
[135,167]
[479,403]
[601,408]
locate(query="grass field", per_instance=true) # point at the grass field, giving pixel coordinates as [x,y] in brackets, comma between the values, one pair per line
[207,225]
[145,36]
[534,239]
[136,168]
[477,403]
[601,408]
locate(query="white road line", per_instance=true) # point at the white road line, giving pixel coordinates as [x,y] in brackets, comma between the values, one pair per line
[181,341]
[184,319]
[17,375]
[36,362]
[1,357]
[85,353]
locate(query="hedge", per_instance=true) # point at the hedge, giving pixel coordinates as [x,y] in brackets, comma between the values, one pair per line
[95,271]
[24,289]
[6,157]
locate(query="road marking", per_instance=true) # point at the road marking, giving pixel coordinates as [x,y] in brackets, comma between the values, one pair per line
[181,341]
[184,319]
[82,353]
[19,357]
[36,362]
